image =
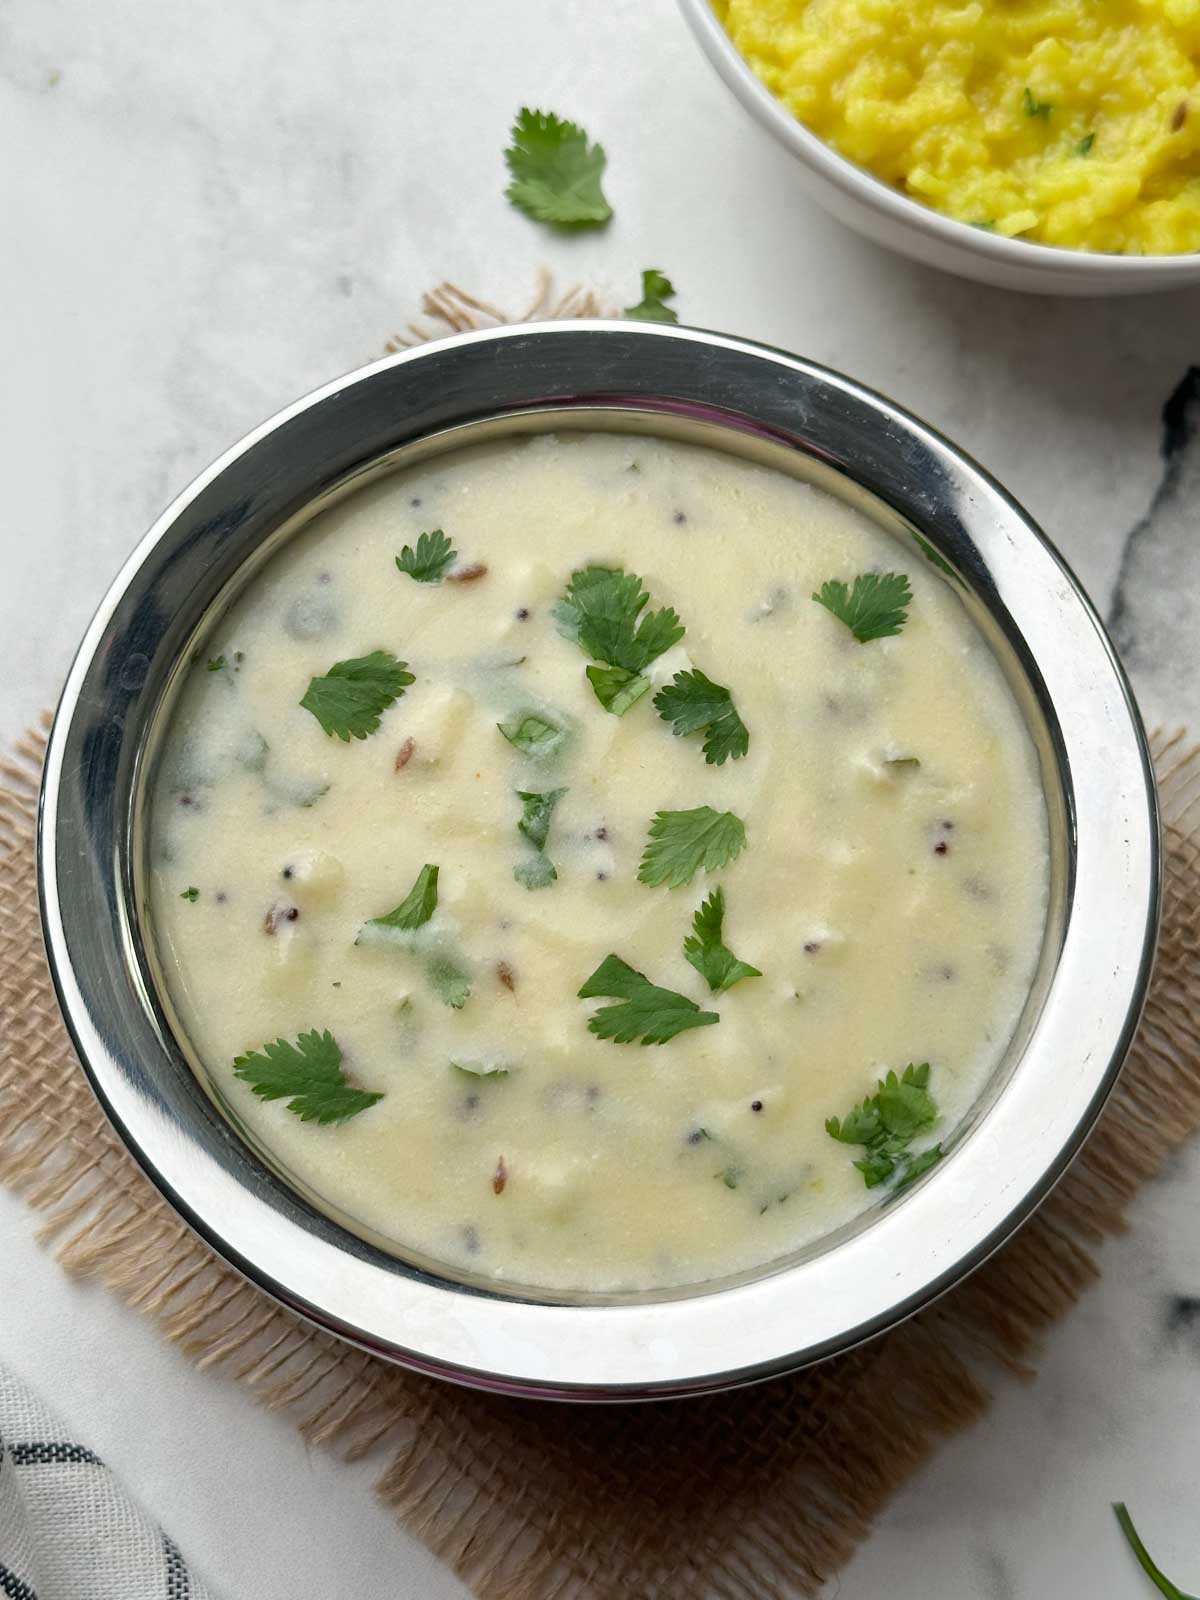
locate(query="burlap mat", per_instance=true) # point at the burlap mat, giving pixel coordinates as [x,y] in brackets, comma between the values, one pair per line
[758,1494]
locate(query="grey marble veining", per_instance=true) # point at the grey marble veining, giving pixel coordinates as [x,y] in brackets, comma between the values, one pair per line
[210,209]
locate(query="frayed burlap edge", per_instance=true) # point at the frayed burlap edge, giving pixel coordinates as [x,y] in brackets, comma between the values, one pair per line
[750,1496]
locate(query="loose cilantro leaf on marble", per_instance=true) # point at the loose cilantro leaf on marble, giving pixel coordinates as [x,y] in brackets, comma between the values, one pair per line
[308,1075]
[430,561]
[451,984]
[616,688]
[190,893]
[645,1011]
[415,909]
[706,951]
[350,698]
[656,289]
[534,734]
[875,608]
[682,842]
[555,172]
[1157,1577]
[602,612]
[886,1123]
[693,703]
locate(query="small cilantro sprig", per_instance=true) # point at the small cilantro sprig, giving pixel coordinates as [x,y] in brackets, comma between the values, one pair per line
[431,560]
[1144,1559]
[693,703]
[535,735]
[645,1011]
[538,871]
[886,1124]
[602,612]
[657,288]
[415,910]
[352,696]
[555,172]
[875,608]
[707,952]
[682,842]
[190,893]
[308,1075]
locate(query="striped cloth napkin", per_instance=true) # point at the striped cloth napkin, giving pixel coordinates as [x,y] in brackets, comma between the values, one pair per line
[68,1530]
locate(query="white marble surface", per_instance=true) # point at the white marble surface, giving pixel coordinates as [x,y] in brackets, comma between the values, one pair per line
[211,208]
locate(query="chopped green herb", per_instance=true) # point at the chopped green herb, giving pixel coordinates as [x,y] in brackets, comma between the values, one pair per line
[1158,1578]
[451,984]
[656,290]
[535,735]
[252,752]
[480,1069]
[987,225]
[886,1123]
[537,809]
[308,1075]
[555,172]
[429,562]
[729,1176]
[539,871]
[1035,107]
[601,610]
[415,909]
[681,842]
[647,1012]
[616,688]
[716,964]
[899,764]
[217,664]
[353,695]
[693,703]
[875,608]
[190,893]
[1085,144]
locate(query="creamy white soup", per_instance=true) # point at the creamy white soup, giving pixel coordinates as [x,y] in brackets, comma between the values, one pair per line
[598,863]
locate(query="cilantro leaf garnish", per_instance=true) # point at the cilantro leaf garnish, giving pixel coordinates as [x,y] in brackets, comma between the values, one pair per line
[190,893]
[535,735]
[601,611]
[480,1069]
[451,984]
[536,811]
[352,696]
[308,1075]
[1157,1577]
[416,908]
[617,688]
[646,1011]
[712,959]
[555,172]
[429,562]
[681,842]
[538,871]
[875,608]
[692,703]
[886,1123]
[656,289]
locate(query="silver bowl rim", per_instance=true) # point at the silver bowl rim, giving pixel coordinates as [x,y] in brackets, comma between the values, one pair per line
[1160,271]
[911,1252]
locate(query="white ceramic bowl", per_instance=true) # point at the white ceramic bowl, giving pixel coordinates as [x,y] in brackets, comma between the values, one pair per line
[871,207]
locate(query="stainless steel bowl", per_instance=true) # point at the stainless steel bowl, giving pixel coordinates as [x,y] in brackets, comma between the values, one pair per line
[754,402]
